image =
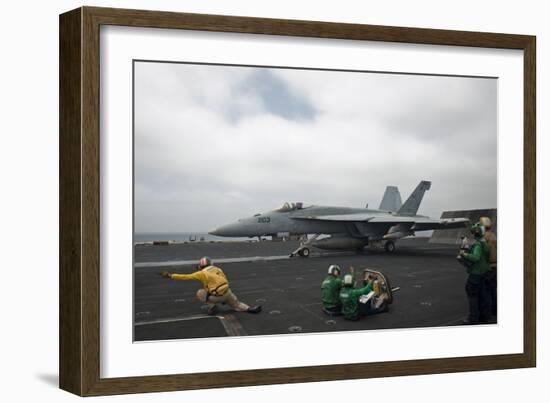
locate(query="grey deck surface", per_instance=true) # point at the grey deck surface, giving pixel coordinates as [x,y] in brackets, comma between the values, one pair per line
[431,281]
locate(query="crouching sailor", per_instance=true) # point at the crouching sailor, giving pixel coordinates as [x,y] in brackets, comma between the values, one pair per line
[330,291]
[215,287]
[349,297]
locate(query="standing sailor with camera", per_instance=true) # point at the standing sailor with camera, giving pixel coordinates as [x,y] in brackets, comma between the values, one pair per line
[477,290]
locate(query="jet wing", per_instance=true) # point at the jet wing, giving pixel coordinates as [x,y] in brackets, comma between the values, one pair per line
[338,217]
[443,223]
[423,223]
[417,223]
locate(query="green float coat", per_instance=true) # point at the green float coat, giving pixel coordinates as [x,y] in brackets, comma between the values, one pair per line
[479,256]
[330,290]
[349,297]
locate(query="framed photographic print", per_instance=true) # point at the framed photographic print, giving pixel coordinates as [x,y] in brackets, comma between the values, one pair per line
[249,201]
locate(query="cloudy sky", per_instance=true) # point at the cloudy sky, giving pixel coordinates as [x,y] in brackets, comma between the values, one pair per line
[216,143]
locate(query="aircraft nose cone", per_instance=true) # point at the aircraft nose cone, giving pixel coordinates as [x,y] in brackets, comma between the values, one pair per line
[214,232]
[226,230]
[234,229]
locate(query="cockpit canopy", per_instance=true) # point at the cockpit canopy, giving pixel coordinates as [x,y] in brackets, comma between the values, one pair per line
[290,207]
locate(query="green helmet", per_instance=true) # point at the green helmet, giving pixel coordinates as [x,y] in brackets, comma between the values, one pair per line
[477,230]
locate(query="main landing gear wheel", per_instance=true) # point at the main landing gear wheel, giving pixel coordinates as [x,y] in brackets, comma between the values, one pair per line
[304,252]
[390,246]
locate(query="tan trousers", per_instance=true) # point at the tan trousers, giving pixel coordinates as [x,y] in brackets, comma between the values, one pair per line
[228,298]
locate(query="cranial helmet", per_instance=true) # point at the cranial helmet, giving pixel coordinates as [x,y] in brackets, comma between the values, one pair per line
[485,221]
[334,269]
[348,280]
[477,230]
[205,262]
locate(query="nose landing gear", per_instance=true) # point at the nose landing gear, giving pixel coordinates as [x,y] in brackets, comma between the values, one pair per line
[302,251]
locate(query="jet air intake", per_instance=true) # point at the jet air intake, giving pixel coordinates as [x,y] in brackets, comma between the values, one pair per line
[340,242]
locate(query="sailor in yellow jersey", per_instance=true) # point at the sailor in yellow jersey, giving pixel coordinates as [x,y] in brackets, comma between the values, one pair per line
[215,287]
[491,239]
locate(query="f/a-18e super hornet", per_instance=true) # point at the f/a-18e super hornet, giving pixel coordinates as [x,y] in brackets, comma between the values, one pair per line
[344,228]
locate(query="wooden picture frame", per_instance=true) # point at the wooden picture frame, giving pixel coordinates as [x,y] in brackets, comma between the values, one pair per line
[79,200]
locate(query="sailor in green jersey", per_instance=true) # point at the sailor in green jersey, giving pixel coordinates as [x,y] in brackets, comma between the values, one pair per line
[349,297]
[330,291]
[477,289]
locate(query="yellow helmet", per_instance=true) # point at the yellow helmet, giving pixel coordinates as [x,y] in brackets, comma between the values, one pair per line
[485,221]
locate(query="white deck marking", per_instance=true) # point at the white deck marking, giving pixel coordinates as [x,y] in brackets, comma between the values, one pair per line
[229,322]
[168,263]
[226,260]
[176,319]
[232,326]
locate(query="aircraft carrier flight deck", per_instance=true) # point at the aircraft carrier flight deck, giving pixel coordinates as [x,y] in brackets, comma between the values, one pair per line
[430,279]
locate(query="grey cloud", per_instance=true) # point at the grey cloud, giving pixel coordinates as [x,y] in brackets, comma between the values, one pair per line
[275,96]
[457,108]
[215,143]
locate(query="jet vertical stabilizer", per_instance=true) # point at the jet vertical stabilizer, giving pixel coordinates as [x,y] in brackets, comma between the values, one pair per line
[391,200]
[413,202]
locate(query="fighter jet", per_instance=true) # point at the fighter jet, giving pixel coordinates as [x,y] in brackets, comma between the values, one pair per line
[344,228]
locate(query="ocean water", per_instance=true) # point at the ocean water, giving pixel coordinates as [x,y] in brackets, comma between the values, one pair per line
[182,237]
